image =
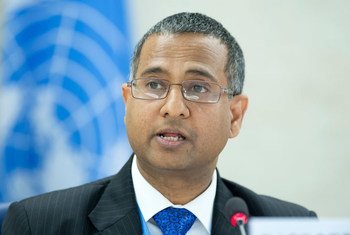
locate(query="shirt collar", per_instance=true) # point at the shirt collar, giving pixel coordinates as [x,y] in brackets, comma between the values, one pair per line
[150,201]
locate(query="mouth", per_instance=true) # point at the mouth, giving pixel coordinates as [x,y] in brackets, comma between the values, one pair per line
[174,137]
[171,136]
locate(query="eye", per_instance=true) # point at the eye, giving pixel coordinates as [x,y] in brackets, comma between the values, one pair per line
[155,84]
[199,87]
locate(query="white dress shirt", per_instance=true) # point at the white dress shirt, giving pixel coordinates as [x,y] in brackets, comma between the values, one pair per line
[151,201]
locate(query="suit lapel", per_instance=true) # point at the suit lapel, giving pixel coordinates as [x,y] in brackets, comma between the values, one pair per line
[116,211]
[220,225]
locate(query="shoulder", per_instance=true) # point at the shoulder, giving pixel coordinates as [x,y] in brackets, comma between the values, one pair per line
[57,212]
[79,196]
[78,210]
[261,205]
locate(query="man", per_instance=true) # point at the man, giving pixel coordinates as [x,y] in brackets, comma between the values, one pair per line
[183,102]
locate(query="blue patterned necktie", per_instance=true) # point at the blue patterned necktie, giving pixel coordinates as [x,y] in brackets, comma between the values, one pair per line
[174,221]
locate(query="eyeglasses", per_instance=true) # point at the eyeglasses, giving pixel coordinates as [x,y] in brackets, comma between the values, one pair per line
[192,90]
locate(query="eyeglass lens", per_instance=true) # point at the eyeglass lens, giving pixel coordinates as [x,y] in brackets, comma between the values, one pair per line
[192,90]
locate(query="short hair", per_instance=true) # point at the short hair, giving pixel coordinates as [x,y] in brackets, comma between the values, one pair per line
[187,22]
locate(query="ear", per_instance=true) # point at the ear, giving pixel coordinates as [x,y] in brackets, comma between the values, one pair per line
[238,107]
[126,92]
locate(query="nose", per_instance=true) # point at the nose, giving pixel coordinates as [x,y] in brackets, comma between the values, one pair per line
[174,104]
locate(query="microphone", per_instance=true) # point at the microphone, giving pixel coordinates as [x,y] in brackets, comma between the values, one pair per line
[236,211]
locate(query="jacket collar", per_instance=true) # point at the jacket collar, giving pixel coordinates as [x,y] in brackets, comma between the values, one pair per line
[220,224]
[117,209]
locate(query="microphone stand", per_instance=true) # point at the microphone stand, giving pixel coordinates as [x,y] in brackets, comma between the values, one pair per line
[240,223]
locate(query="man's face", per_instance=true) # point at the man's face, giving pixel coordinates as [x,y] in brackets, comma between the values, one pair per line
[173,134]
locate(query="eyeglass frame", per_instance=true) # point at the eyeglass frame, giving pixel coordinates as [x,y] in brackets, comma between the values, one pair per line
[228,91]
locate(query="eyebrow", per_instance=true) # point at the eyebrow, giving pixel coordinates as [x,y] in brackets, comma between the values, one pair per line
[193,71]
[202,73]
[153,70]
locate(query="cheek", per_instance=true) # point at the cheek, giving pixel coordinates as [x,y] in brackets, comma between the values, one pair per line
[218,131]
[215,132]
[138,120]
[137,117]
[135,121]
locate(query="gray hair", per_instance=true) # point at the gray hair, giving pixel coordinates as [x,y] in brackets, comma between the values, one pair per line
[198,23]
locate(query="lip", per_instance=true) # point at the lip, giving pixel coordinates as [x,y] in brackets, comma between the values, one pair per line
[171,132]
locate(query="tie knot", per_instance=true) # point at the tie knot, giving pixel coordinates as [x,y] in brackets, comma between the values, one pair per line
[174,221]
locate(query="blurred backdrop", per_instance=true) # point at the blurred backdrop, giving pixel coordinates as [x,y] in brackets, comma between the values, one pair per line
[63,64]
[61,112]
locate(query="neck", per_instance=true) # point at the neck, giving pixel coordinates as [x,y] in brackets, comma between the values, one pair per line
[179,187]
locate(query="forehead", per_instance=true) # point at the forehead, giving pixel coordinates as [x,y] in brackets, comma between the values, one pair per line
[178,53]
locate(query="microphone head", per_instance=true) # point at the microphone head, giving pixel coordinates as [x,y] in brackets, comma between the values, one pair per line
[236,211]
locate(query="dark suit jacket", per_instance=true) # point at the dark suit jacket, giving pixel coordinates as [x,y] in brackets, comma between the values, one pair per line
[108,206]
